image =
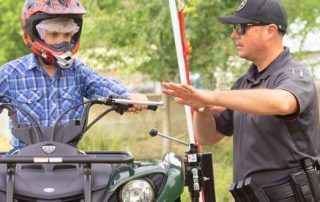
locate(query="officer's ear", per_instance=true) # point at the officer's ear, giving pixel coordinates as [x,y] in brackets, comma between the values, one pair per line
[272,29]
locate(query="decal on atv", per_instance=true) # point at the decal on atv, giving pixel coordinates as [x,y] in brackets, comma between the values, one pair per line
[48,149]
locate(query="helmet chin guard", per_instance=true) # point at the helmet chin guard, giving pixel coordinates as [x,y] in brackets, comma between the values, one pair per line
[65,60]
[35,11]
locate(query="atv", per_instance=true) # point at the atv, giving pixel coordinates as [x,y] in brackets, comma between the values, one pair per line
[52,169]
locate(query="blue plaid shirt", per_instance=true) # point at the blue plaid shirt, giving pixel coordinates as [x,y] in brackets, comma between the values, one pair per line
[47,98]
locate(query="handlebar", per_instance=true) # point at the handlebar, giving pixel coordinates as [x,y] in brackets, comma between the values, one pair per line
[151,105]
[13,114]
[118,105]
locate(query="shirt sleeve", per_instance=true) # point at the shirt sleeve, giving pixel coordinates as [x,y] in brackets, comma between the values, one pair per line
[299,82]
[224,122]
[96,86]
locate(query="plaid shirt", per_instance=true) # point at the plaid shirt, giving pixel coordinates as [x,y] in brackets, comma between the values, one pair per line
[47,98]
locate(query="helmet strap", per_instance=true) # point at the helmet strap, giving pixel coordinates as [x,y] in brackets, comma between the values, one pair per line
[45,61]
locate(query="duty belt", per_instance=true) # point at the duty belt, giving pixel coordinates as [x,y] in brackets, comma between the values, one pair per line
[278,192]
[303,186]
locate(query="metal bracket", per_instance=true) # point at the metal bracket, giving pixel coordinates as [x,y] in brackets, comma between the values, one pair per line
[87,182]
[10,181]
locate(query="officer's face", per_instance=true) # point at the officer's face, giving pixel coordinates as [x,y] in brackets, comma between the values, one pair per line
[250,40]
[53,38]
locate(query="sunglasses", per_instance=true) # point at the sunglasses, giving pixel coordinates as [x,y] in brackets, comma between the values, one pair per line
[241,28]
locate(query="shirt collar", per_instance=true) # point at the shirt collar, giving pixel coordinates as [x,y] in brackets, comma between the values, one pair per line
[34,63]
[274,66]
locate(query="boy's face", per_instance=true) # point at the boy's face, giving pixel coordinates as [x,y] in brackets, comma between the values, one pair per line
[53,38]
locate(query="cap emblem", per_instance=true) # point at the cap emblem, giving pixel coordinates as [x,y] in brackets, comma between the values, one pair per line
[242,5]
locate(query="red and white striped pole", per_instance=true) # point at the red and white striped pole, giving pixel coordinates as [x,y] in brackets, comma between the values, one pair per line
[182,50]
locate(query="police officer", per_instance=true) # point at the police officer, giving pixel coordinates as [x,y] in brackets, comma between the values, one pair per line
[271,111]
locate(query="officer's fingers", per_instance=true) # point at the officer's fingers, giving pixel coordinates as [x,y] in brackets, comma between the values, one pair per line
[188,89]
[210,109]
[216,108]
[173,87]
[188,102]
[172,93]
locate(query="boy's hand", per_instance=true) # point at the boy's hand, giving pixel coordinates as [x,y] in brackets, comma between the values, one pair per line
[138,107]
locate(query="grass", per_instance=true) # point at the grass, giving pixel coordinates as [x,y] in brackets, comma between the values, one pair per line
[4,143]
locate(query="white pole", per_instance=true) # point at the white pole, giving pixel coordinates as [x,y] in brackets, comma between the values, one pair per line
[182,67]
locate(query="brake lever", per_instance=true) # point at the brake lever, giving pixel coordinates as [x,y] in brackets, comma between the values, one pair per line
[121,109]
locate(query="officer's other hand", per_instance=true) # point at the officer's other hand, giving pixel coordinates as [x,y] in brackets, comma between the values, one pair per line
[209,109]
[138,107]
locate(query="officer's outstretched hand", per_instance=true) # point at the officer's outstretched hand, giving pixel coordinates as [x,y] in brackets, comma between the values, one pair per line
[199,100]
[138,107]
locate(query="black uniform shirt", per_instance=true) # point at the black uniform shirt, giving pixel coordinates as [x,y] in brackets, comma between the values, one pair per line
[268,148]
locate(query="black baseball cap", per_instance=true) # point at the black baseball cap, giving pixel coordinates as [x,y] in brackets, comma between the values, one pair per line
[263,11]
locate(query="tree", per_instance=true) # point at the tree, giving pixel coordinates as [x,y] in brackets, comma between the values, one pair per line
[10,30]
[136,35]
[141,29]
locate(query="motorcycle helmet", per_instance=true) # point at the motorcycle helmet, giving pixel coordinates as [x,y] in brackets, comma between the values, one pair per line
[35,11]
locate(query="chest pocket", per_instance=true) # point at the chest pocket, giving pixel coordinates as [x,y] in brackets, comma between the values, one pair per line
[70,96]
[32,102]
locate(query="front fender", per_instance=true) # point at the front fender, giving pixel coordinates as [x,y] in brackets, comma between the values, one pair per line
[170,166]
[175,178]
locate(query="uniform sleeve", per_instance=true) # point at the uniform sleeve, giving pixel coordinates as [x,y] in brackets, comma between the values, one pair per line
[299,82]
[224,122]
[96,86]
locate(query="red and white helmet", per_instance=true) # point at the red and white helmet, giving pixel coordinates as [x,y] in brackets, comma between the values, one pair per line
[35,11]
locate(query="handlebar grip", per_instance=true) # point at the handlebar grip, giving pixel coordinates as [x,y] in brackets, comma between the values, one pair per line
[125,103]
[152,107]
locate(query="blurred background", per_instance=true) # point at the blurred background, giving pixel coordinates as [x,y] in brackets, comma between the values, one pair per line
[132,40]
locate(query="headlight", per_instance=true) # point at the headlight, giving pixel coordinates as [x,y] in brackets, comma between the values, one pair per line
[137,191]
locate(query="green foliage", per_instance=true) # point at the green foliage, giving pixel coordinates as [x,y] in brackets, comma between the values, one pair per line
[306,11]
[10,30]
[141,32]
[138,30]
[207,36]
[136,35]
